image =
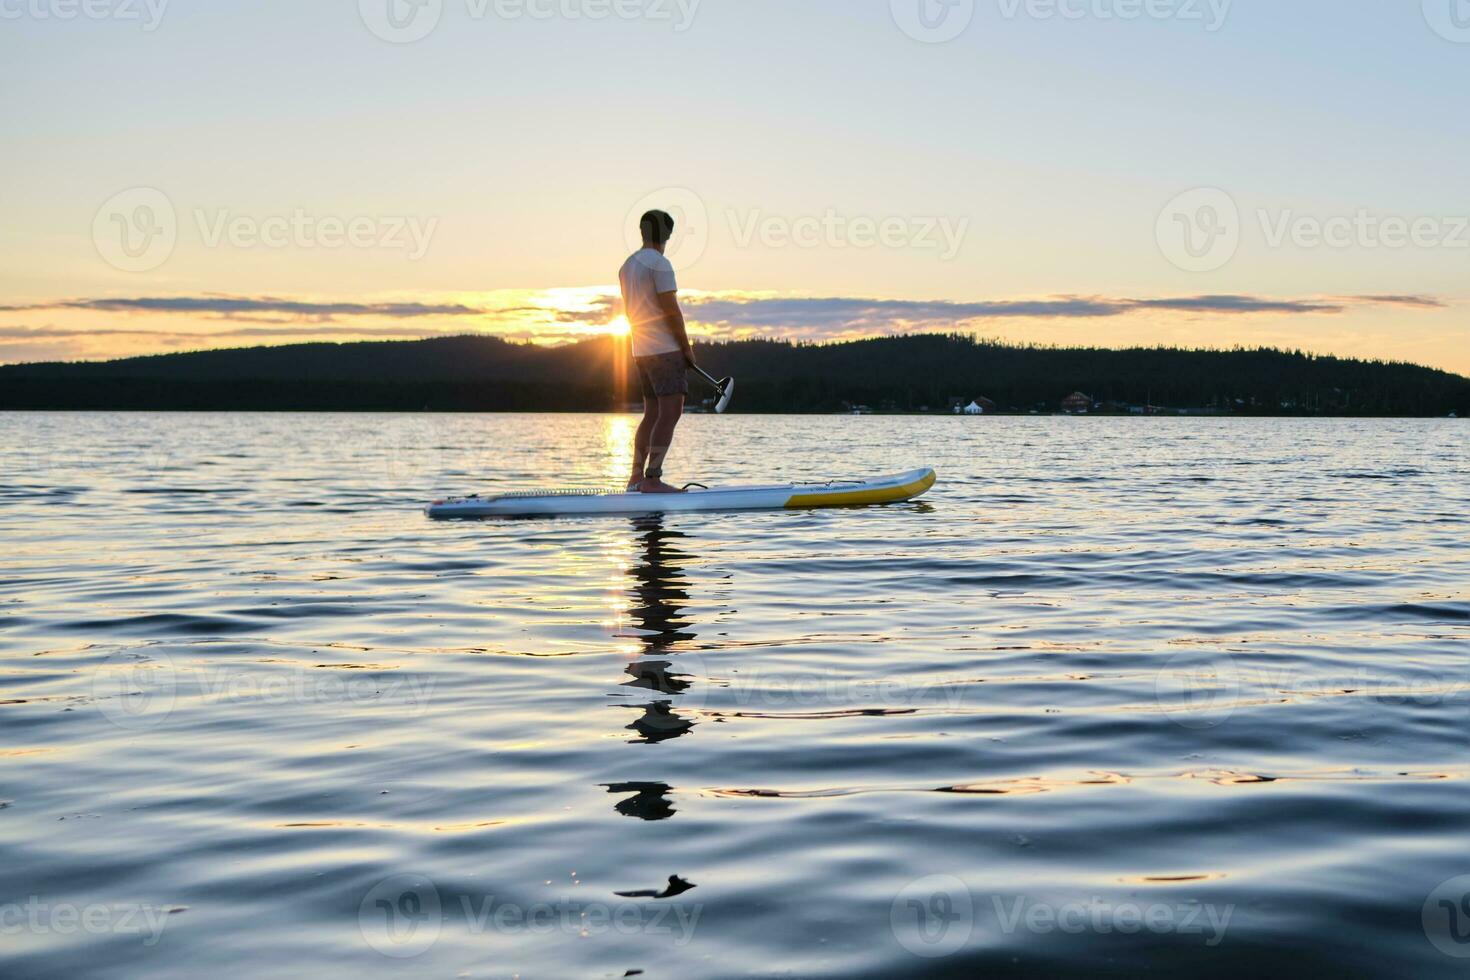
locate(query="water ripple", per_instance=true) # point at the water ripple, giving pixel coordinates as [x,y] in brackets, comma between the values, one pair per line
[260,718]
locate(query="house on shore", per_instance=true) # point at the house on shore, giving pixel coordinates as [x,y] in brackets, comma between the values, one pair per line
[980,406]
[1077,404]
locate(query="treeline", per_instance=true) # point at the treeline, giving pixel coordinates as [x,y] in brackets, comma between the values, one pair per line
[912,373]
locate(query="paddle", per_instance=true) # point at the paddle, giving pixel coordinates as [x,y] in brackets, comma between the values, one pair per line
[726,388]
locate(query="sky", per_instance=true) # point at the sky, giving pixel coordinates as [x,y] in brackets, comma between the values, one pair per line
[206,173]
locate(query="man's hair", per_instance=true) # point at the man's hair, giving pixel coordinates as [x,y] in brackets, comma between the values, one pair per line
[657,227]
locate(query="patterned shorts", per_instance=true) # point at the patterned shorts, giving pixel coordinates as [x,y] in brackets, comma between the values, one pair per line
[663,374]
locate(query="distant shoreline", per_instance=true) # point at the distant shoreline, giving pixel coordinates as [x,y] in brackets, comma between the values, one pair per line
[1158,416]
[917,375]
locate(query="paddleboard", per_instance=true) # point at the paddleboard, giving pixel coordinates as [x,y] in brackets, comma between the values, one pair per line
[834,493]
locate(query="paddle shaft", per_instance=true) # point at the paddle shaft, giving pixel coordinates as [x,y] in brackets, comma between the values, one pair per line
[705,375]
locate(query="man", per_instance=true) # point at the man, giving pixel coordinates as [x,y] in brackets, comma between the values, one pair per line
[660,349]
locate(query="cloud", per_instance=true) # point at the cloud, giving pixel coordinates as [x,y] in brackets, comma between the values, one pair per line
[1421,302]
[233,306]
[854,313]
[598,310]
[741,309]
[28,333]
[1234,304]
[560,315]
[847,316]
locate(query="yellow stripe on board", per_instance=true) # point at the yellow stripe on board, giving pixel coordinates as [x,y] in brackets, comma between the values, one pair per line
[863,495]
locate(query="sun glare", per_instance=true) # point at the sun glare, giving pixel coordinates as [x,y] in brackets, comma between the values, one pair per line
[619,327]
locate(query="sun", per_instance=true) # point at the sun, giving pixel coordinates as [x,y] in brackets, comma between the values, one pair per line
[620,327]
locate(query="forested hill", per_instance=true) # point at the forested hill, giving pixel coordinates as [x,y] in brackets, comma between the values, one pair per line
[477,373]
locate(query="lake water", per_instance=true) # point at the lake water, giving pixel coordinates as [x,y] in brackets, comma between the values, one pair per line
[1118,694]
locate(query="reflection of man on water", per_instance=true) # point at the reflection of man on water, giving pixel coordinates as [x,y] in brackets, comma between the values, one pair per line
[650,801]
[659,588]
[659,598]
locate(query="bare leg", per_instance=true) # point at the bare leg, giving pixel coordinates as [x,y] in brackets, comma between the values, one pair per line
[640,442]
[670,410]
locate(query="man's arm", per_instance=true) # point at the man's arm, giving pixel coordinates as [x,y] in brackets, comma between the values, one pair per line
[674,317]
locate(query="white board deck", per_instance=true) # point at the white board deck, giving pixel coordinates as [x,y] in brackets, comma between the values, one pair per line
[549,503]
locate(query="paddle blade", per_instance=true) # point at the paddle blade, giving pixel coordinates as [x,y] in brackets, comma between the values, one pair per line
[727,392]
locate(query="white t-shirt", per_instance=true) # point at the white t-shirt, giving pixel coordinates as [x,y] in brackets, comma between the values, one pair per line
[645,275]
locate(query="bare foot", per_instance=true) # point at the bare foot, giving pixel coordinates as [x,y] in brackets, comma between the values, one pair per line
[657,486]
[634,484]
